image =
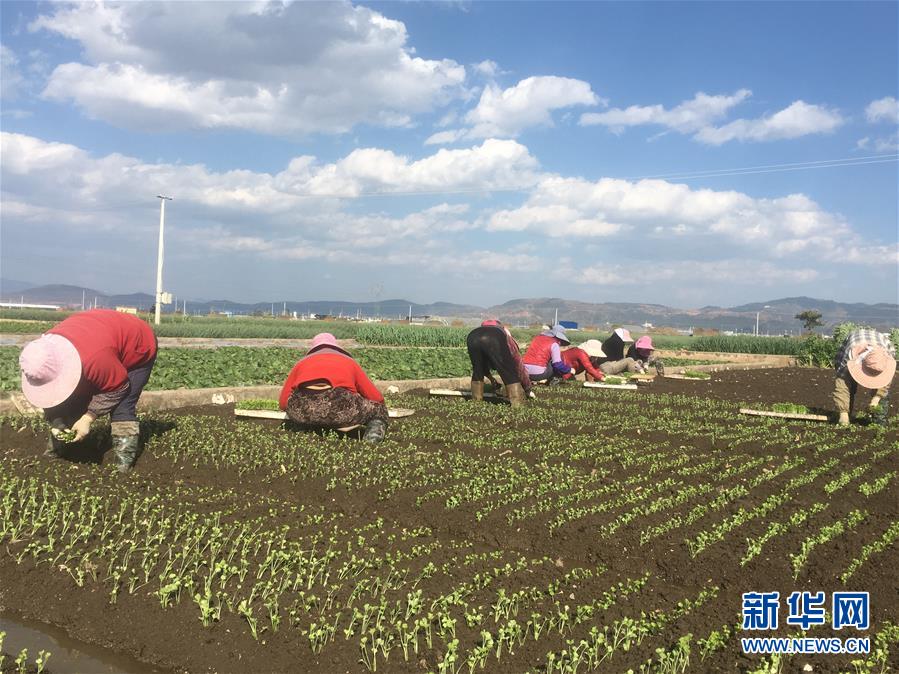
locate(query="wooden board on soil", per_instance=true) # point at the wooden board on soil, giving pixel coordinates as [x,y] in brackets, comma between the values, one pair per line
[394,413]
[455,393]
[599,384]
[686,378]
[784,415]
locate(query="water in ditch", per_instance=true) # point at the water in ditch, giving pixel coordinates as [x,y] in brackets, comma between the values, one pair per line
[67,655]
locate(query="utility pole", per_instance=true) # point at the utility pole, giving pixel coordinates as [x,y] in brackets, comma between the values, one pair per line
[159,257]
[82,299]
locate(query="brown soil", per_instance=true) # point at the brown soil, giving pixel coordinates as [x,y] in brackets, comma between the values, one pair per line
[174,638]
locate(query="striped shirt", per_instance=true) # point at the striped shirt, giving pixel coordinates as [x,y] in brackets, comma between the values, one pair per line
[861,336]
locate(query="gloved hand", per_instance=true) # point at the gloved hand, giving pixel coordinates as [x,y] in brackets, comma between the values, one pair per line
[875,402]
[83,426]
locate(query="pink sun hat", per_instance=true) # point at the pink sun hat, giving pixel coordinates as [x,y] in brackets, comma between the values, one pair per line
[871,366]
[51,370]
[325,339]
[645,342]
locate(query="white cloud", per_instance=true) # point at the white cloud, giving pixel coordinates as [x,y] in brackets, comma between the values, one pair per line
[731,271]
[697,117]
[688,117]
[883,110]
[269,67]
[796,120]
[505,113]
[11,79]
[660,211]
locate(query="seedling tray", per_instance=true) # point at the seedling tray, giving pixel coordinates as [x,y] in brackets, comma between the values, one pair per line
[599,384]
[784,415]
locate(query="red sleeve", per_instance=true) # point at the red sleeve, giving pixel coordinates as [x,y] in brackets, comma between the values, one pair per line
[104,371]
[288,387]
[584,360]
[365,387]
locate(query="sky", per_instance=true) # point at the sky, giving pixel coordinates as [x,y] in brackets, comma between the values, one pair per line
[687,154]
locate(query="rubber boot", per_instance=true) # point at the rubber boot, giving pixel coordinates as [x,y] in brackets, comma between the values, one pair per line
[516,394]
[375,430]
[54,448]
[844,419]
[477,390]
[660,368]
[126,449]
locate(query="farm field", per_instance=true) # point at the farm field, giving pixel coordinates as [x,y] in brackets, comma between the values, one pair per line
[182,367]
[592,530]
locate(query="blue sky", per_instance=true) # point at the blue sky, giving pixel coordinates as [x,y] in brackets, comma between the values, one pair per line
[467,152]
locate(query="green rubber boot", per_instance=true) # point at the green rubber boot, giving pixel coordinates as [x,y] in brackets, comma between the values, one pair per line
[375,430]
[54,448]
[126,449]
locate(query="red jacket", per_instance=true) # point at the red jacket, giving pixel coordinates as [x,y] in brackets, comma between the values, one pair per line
[339,370]
[109,344]
[539,350]
[578,360]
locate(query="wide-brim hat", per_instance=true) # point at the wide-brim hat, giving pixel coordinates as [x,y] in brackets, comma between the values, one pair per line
[325,340]
[593,348]
[645,342]
[558,332]
[51,370]
[871,366]
[624,334]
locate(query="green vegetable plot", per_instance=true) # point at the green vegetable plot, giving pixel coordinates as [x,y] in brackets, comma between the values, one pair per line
[246,366]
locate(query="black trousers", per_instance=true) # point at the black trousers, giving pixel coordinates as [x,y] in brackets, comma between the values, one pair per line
[488,350]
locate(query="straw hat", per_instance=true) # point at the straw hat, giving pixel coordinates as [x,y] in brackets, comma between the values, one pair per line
[325,339]
[593,348]
[51,370]
[871,366]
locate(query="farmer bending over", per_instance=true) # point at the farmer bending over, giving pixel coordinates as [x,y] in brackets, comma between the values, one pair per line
[583,358]
[328,389]
[93,363]
[543,359]
[615,362]
[492,347]
[866,358]
[643,354]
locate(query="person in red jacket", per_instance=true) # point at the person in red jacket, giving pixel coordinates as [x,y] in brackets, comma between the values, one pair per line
[93,363]
[578,358]
[328,389]
[543,359]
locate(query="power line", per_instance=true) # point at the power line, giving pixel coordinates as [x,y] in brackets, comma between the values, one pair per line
[749,170]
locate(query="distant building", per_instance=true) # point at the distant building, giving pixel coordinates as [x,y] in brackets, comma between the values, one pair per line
[22,305]
[127,310]
[569,325]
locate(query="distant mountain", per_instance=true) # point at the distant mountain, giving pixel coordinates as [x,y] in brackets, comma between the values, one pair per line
[774,316]
[8,285]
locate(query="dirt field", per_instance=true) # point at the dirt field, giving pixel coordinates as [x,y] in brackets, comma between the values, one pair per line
[595,524]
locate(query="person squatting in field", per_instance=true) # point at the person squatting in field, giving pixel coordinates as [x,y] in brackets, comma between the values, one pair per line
[492,347]
[583,358]
[866,358]
[93,363]
[543,359]
[328,389]
[615,362]
[643,353]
